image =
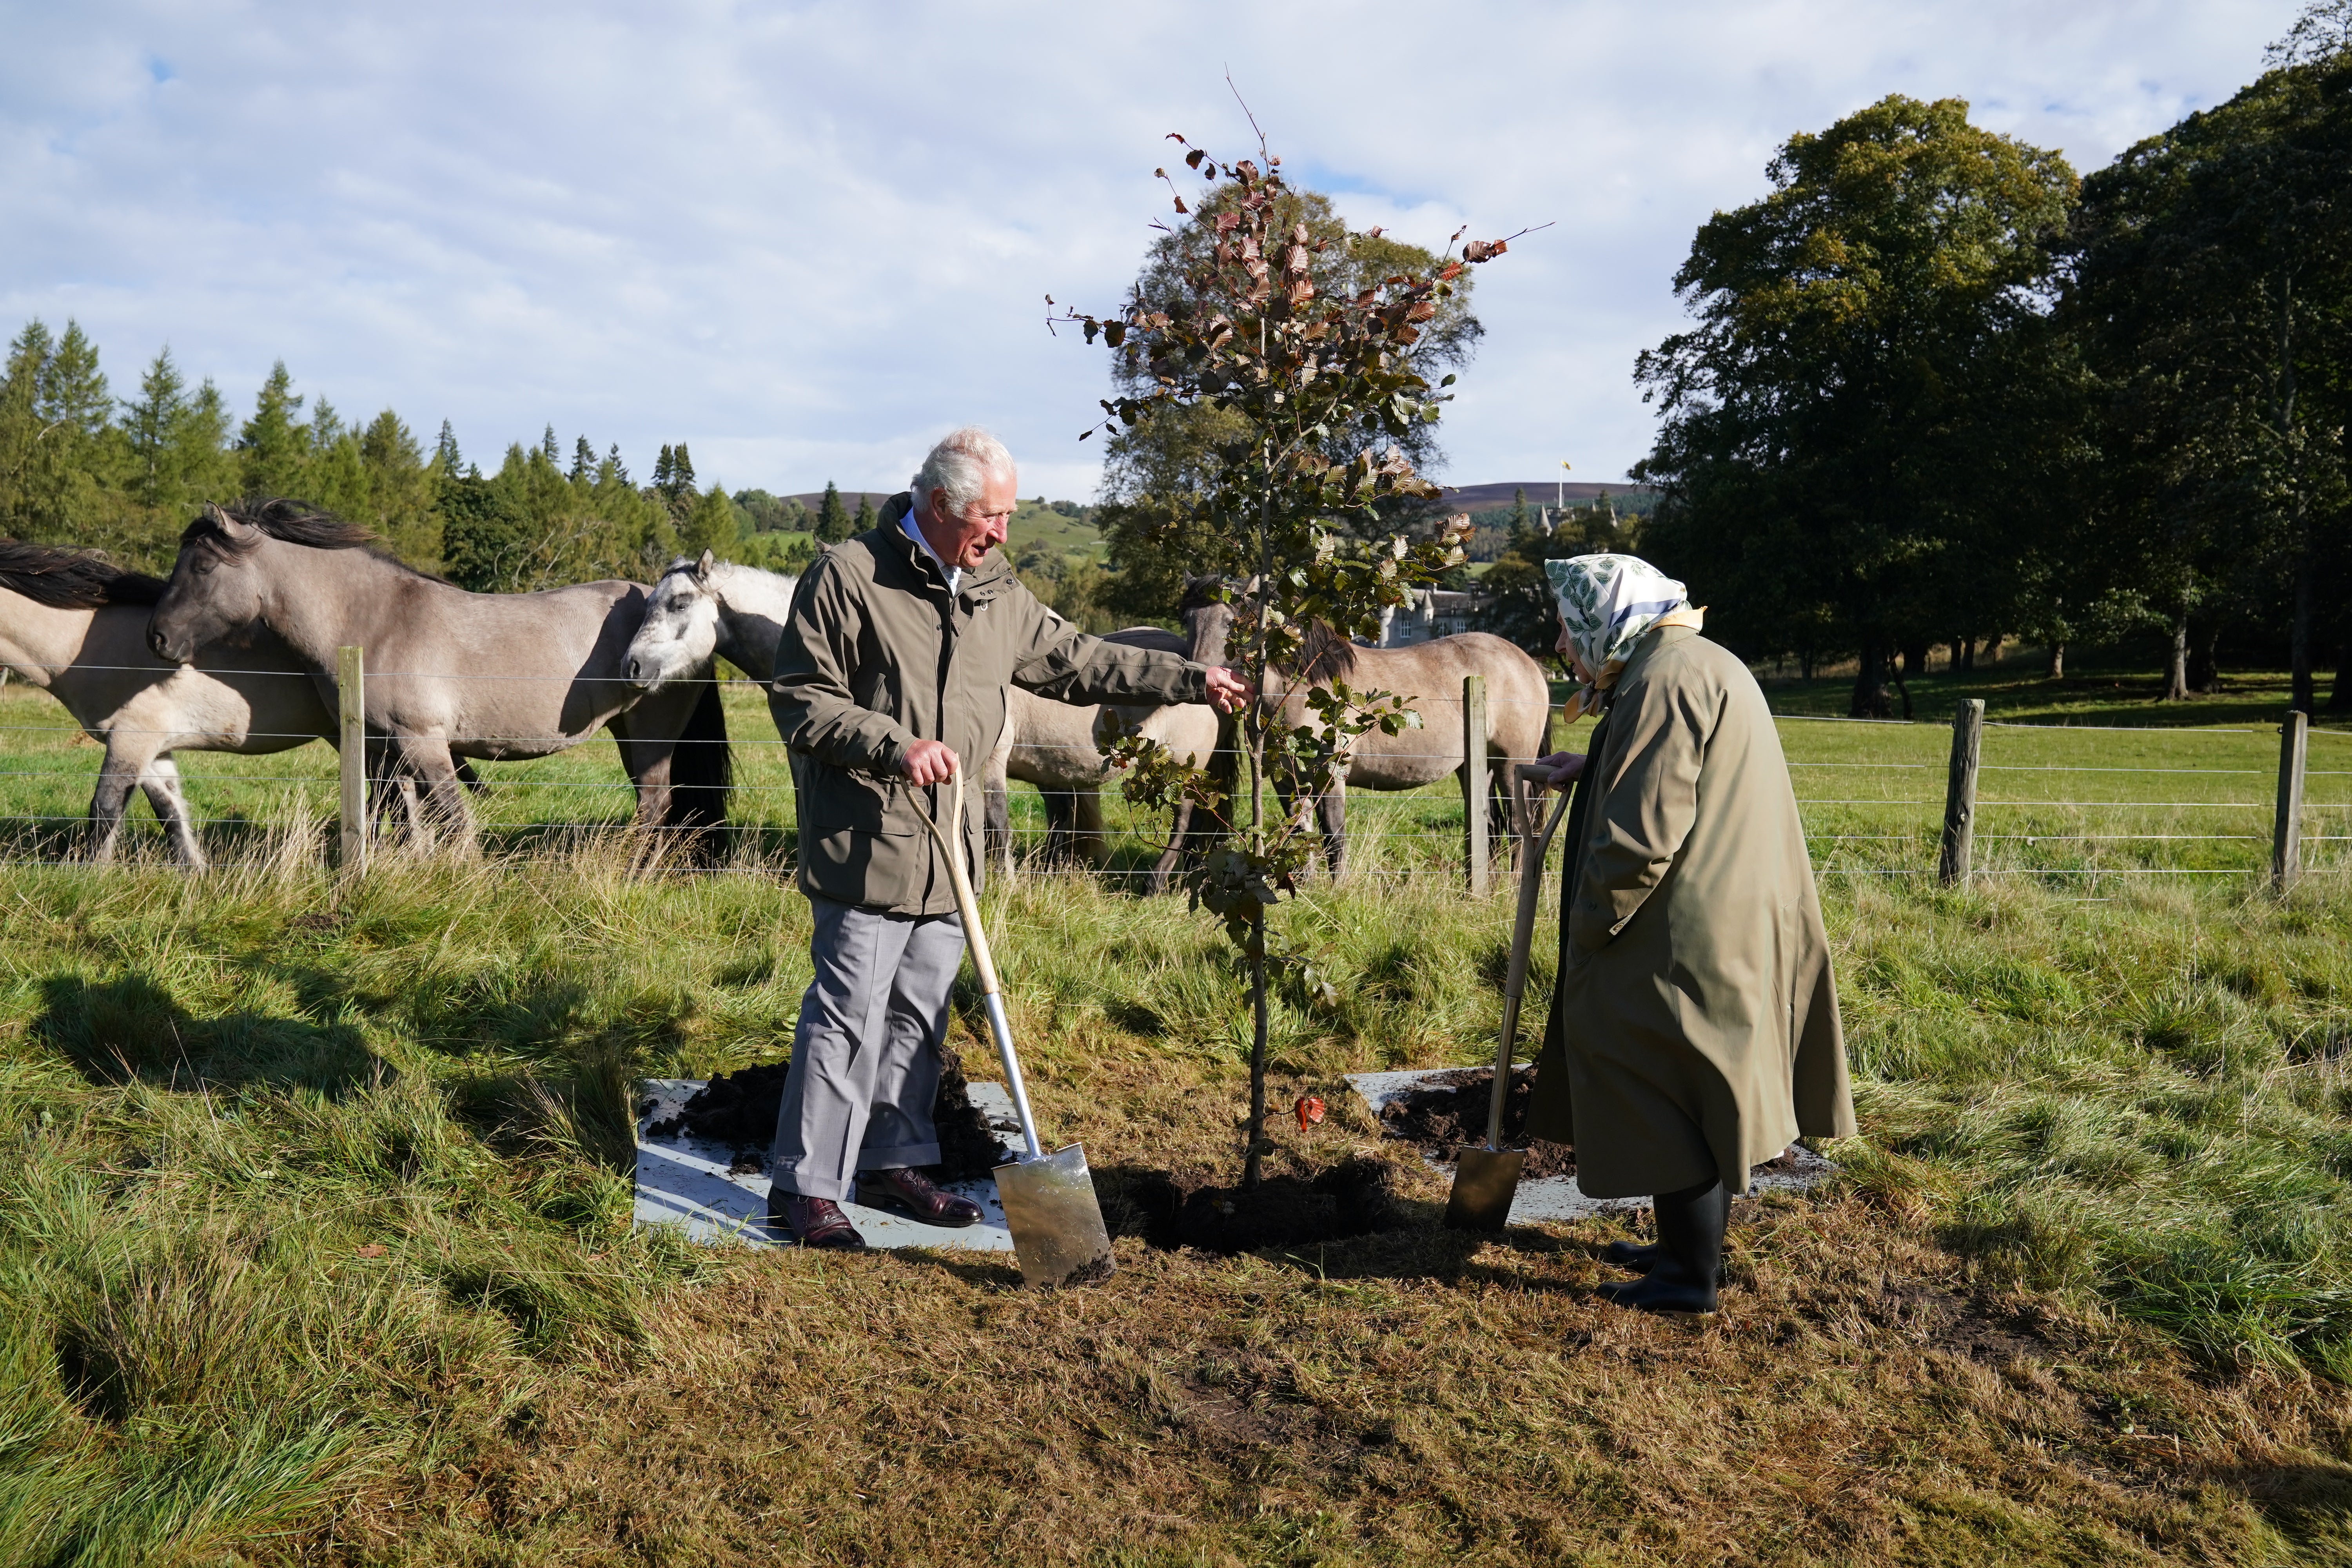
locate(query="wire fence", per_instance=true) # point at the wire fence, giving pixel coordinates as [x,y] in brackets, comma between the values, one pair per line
[2075,803]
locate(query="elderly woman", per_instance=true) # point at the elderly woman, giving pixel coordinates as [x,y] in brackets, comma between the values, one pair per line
[1694,1029]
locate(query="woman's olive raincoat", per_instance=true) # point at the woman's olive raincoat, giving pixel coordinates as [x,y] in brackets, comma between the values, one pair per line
[1694,1029]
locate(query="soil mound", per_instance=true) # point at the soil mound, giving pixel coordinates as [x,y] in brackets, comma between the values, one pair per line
[1352,1199]
[1449,1110]
[739,1109]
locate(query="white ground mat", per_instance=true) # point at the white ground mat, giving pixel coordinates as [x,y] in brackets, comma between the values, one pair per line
[1542,1198]
[686,1181]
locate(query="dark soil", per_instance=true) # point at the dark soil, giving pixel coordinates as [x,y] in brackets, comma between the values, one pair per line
[739,1109]
[1448,1111]
[1354,1199]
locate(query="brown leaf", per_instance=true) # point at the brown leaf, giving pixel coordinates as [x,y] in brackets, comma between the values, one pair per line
[1484,249]
[373,1249]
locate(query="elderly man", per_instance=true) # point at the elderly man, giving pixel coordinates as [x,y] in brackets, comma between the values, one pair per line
[892,670]
[1694,1026]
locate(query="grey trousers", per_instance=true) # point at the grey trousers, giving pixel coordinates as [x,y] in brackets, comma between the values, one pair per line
[866,1052]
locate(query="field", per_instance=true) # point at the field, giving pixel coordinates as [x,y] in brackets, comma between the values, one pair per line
[313,1213]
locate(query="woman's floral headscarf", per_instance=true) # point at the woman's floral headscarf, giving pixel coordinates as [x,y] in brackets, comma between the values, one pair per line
[1608,603]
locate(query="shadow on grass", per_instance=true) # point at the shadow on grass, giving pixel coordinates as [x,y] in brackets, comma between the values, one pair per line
[131,1027]
[2309,1504]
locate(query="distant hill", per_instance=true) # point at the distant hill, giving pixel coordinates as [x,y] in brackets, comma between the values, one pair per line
[1540,492]
[814,499]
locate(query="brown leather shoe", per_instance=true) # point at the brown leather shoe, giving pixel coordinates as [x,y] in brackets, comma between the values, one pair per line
[814,1222]
[909,1192]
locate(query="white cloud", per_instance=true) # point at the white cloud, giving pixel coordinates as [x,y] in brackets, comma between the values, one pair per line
[807,238]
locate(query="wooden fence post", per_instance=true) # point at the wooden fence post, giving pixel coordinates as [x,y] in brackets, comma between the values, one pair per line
[351,681]
[1473,779]
[1961,792]
[2286,829]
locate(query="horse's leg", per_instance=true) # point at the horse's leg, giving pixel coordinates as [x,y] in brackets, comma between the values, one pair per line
[1164,869]
[997,826]
[161,783]
[1059,814]
[1093,846]
[647,761]
[1331,814]
[427,759]
[117,777]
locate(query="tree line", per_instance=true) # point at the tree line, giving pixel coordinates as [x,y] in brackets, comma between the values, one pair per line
[81,467]
[1938,390]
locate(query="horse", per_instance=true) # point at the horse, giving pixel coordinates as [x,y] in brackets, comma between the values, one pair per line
[77,628]
[707,606]
[1428,678]
[1060,746]
[492,676]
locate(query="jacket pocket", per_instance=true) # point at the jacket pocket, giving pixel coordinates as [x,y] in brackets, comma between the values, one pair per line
[840,801]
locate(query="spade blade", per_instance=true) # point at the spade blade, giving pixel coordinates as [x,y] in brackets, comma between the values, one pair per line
[1484,1182]
[1055,1217]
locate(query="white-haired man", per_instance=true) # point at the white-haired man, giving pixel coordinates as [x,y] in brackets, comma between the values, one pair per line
[892,669]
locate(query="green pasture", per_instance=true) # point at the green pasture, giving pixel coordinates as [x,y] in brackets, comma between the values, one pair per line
[314,1197]
[2085,806]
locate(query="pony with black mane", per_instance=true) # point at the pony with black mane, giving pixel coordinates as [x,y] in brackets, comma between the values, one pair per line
[75,625]
[452,675]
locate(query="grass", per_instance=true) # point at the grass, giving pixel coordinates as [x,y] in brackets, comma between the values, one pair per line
[313,1216]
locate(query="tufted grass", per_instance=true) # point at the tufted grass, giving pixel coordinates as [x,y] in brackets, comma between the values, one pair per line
[313,1230]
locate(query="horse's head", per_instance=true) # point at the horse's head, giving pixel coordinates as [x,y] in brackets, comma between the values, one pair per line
[215,593]
[1208,614]
[680,635]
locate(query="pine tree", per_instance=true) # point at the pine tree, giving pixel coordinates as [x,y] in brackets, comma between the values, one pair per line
[270,446]
[1519,513]
[547,446]
[865,518]
[152,421]
[832,517]
[202,450]
[709,525]
[73,394]
[662,466]
[446,456]
[583,462]
[620,469]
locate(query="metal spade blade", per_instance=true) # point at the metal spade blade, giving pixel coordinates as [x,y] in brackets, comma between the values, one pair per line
[1050,1206]
[1056,1220]
[1486,1180]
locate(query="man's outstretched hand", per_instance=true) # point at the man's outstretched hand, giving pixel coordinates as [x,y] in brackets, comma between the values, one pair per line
[1227,690]
[928,763]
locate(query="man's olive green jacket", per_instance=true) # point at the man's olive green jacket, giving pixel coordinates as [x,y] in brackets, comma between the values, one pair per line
[877,655]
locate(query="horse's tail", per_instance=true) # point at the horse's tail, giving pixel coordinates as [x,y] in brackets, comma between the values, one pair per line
[701,773]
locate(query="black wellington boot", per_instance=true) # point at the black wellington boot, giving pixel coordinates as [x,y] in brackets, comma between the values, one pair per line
[1682,1283]
[1634,1256]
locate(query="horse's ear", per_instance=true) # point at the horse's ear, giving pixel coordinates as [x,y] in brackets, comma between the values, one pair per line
[702,567]
[230,526]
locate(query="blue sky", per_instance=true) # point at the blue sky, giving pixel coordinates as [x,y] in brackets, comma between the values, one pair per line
[807,239]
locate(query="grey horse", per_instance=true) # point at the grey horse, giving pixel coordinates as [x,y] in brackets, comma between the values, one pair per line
[453,675]
[77,628]
[1428,677]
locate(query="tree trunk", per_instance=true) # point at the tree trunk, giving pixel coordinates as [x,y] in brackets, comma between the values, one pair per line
[1870,700]
[1915,660]
[2205,661]
[2305,688]
[2340,699]
[2057,669]
[1964,654]
[1805,664]
[2175,678]
[1993,648]
[1252,1163]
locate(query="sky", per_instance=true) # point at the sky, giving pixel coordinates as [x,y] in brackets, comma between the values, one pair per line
[809,239]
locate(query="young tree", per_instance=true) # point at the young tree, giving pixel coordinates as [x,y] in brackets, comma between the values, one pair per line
[583,462]
[1155,472]
[1275,378]
[447,459]
[864,518]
